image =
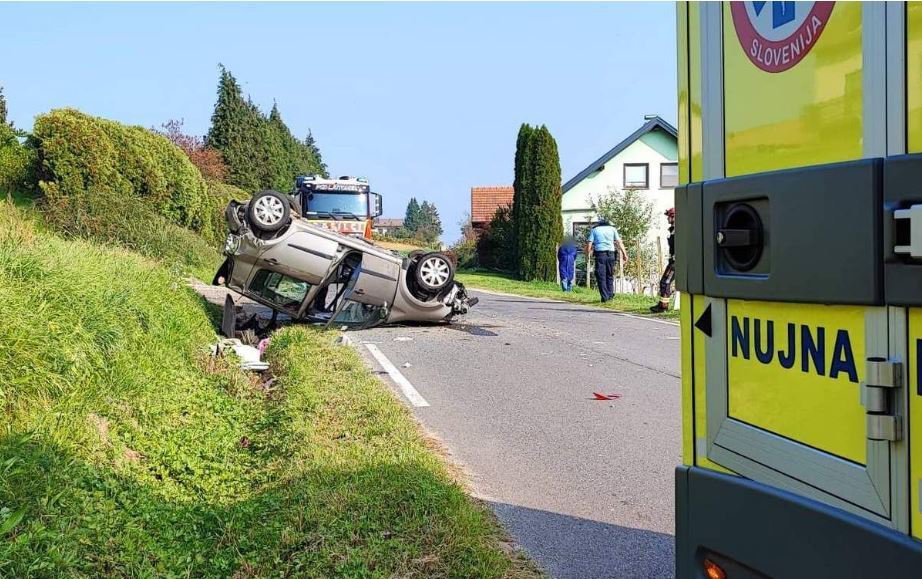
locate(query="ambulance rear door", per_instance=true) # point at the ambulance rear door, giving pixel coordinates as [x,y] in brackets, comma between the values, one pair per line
[804,361]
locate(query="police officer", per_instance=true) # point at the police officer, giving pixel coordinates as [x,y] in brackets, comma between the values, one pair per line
[665,282]
[602,242]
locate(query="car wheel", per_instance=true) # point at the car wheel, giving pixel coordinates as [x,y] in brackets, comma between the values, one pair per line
[268,211]
[434,272]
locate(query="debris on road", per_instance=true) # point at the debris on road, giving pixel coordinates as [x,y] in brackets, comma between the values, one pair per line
[403,339]
[344,341]
[407,365]
[597,396]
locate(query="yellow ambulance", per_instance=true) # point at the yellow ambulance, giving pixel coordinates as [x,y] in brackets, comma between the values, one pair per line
[799,248]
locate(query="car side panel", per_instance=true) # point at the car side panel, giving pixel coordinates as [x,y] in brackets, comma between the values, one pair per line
[300,253]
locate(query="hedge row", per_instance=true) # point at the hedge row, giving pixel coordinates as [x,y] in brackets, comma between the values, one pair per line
[83,159]
[16,161]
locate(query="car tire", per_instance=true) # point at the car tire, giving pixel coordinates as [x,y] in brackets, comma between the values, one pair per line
[268,211]
[434,272]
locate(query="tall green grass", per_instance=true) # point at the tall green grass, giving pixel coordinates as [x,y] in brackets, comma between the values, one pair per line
[123,222]
[127,451]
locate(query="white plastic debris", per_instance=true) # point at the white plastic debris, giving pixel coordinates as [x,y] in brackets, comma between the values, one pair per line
[249,356]
[344,340]
[403,339]
[407,365]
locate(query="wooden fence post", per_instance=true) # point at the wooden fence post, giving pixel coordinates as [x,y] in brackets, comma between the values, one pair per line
[638,278]
[588,270]
[557,262]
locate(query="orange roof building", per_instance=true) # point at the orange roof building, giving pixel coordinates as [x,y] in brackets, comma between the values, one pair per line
[486,200]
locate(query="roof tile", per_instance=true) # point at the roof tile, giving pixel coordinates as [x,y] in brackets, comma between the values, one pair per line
[486,200]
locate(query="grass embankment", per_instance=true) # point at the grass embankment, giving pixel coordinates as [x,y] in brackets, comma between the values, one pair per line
[128,451]
[499,282]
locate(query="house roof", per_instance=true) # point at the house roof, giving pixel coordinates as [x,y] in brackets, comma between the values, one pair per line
[388,222]
[655,123]
[486,200]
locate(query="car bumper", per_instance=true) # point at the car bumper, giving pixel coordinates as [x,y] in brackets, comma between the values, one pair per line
[756,531]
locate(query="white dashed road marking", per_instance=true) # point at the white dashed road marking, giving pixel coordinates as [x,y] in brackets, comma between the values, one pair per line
[408,390]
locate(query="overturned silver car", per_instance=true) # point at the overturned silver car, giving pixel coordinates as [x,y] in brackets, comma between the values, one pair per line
[315,275]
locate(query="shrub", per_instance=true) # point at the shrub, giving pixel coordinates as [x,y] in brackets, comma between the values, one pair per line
[16,161]
[208,161]
[80,155]
[496,245]
[465,252]
[219,195]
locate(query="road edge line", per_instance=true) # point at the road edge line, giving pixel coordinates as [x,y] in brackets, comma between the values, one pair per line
[411,394]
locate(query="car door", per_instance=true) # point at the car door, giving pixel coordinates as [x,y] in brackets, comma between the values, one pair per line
[376,283]
[302,253]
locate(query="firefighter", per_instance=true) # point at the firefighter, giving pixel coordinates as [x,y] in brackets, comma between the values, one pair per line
[665,282]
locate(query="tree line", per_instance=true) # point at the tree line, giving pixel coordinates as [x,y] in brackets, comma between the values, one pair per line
[421,222]
[258,150]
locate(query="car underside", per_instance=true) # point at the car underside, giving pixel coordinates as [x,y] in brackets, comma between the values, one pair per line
[314,275]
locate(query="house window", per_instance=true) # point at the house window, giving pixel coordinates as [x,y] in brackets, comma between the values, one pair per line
[636,175]
[668,175]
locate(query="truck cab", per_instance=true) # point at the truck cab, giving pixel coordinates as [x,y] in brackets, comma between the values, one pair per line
[345,205]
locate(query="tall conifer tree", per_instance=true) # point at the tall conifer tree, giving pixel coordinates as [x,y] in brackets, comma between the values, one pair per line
[519,186]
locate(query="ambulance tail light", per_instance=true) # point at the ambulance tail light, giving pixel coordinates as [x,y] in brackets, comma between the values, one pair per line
[713,571]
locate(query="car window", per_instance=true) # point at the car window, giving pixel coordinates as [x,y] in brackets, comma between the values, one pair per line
[355,314]
[282,290]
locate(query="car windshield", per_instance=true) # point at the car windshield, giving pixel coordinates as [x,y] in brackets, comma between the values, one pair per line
[347,204]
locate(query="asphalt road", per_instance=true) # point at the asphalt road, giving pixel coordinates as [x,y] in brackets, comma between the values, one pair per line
[584,486]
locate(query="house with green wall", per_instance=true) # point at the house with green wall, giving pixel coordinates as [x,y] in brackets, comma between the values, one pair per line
[646,161]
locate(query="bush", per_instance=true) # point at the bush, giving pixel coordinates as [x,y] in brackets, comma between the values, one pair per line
[81,155]
[495,247]
[465,253]
[219,195]
[208,161]
[16,161]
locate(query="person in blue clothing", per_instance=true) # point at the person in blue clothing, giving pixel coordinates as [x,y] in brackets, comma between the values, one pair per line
[566,263]
[603,240]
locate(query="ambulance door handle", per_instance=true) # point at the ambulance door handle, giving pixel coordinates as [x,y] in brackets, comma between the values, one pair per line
[877,392]
[736,237]
[741,236]
[908,221]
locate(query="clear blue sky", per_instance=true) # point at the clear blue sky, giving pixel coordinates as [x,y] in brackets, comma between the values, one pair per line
[423,99]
